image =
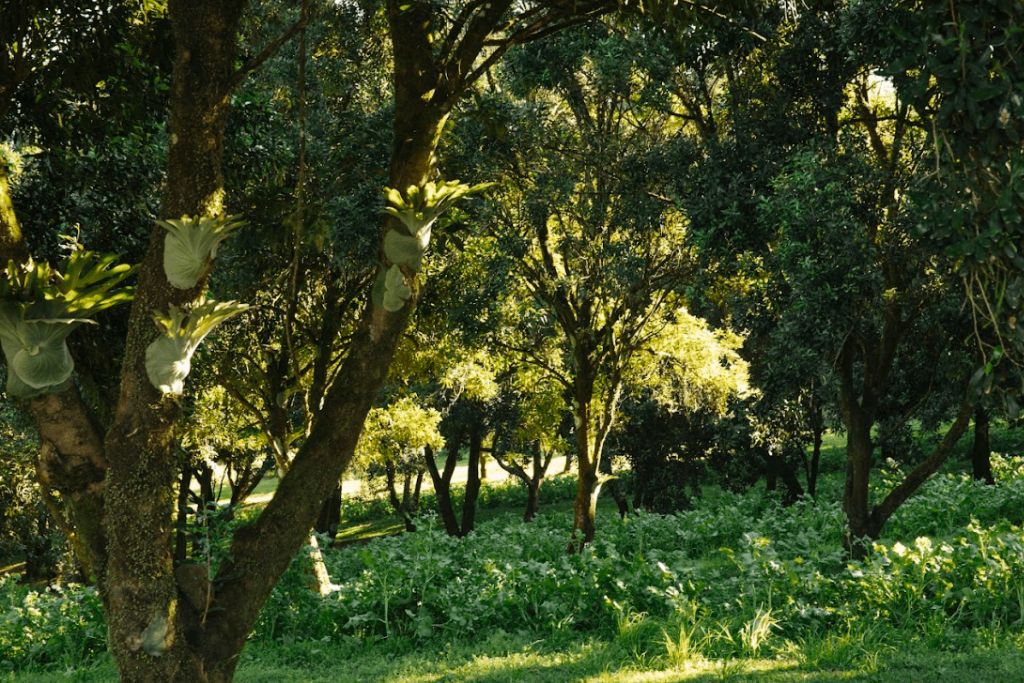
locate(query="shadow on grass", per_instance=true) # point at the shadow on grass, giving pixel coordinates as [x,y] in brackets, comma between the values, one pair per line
[506,658]
[511,659]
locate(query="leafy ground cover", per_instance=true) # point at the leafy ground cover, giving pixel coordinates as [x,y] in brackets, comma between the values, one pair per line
[736,588]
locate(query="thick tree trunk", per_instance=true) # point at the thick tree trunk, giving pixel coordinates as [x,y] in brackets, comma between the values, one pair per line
[981,450]
[858,471]
[149,624]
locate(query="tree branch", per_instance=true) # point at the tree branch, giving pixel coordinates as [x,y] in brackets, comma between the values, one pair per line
[266,53]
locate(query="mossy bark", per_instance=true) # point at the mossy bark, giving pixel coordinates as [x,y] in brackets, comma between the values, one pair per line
[12,244]
[152,628]
[261,551]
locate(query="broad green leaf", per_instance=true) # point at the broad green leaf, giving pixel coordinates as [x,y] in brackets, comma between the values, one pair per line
[42,367]
[396,291]
[191,244]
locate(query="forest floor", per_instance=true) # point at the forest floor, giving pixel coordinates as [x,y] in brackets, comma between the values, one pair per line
[738,588]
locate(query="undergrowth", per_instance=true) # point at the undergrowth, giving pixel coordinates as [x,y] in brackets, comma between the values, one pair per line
[736,578]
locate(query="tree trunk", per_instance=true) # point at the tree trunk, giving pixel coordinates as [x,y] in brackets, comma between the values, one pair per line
[858,471]
[532,500]
[442,486]
[417,487]
[981,450]
[163,628]
[399,505]
[181,526]
[588,451]
[920,474]
[149,625]
[788,471]
[815,466]
[248,480]
[476,447]
[585,507]
[72,462]
[330,516]
[204,477]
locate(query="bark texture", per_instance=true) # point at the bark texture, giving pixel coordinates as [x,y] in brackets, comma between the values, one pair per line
[149,623]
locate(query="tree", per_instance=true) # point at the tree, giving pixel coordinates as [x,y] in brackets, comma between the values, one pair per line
[119,479]
[395,438]
[594,245]
[958,66]
[527,434]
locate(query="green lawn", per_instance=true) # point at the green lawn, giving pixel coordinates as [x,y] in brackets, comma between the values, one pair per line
[510,659]
[507,604]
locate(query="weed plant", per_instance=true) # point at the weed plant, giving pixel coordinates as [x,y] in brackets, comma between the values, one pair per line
[736,578]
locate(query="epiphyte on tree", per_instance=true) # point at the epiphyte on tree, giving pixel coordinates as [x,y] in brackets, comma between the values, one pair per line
[169,357]
[191,245]
[417,210]
[40,306]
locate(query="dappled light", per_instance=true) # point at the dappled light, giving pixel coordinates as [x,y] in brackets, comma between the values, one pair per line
[511,340]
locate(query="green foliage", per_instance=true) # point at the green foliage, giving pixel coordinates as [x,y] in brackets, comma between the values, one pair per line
[191,245]
[398,433]
[169,357]
[40,306]
[959,66]
[759,574]
[687,366]
[736,577]
[417,211]
[59,627]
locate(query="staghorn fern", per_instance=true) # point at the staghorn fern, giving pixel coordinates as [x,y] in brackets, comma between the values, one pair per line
[169,357]
[191,244]
[417,211]
[40,306]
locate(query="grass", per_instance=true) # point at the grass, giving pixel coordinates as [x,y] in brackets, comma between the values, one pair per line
[512,658]
[740,561]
